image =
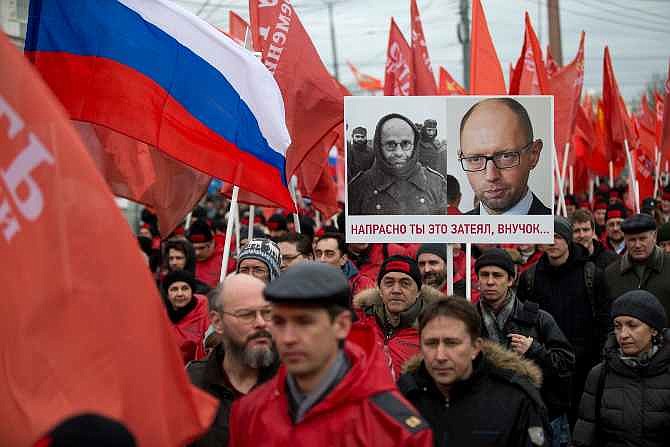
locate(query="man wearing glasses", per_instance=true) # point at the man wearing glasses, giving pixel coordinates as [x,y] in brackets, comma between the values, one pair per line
[497,153]
[246,356]
[397,183]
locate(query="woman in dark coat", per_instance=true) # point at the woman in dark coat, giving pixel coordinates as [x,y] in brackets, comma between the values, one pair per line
[626,400]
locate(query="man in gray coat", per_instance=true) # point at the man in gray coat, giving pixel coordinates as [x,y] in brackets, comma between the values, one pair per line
[643,266]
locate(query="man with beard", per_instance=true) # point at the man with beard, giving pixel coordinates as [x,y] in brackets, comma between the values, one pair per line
[360,156]
[498,153]
[397,183]
[431,154]
[246,356]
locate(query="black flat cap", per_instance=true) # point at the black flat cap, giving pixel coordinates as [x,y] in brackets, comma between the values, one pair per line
[309,283]
[638,223]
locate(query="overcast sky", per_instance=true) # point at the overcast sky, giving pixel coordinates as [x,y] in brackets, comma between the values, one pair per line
[637,32]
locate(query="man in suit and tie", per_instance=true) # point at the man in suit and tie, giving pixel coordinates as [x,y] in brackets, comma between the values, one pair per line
[497,153]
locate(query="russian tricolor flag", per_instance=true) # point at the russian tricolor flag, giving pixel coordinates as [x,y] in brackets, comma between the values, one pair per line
[158,74]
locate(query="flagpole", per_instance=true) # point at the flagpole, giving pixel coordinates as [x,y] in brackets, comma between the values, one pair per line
[296,218]
[468,278]
[237,232]
[657,171]
[591,188]
[633,180]
[561,198]
[252,222]
[450,270]
[566,151]
[572,180]
[611,165]
[187,225]
[229,232]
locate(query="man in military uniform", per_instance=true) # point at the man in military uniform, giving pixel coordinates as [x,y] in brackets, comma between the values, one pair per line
[397,183]
[431,154]
[360,155]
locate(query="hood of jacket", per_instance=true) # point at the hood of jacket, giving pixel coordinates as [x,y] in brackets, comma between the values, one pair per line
[370,300]
[499,358]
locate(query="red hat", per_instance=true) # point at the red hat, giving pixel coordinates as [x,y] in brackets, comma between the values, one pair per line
[600,206]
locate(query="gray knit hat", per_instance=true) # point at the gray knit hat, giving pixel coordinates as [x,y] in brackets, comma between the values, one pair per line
[642,305]
[263,250]
[563,228]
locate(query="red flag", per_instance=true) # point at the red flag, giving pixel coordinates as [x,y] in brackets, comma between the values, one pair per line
[237,27]
[423,72]
[399,76]
[665,133]
[618,127]
[448,85]
[530,76]
[139,172]
[366,82]
[313,100]
[486,75]
[551,65]
[566,87]
[61,354]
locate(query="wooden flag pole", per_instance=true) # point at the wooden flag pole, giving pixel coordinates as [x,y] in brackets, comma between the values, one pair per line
[450,270]
[252,220]
[571,185]
[561,197]
[187,225]
[657,171]
[611,165]
[229,232]
[633,180]
[468,271]
[564,167]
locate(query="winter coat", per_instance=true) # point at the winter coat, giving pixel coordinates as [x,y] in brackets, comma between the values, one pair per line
[550,351]
[190,329]
[399,343]
[357,281]
[498,405]
[635,403]
[582,316]
[363,409]
[601,256]
[621,277]
[374,192]
[209,270]
[208,375]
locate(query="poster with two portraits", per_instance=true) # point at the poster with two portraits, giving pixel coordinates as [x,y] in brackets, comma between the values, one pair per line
[408,157]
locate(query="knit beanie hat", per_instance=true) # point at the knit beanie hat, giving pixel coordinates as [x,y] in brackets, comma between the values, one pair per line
[403,264]
[177,276]
[642,305]
[663,233]
[433,249]
[496,257]
[563,228]
[199,231]
[616,211]
[263,250]
[87,430]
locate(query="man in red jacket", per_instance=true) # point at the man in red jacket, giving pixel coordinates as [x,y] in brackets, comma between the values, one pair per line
[329,391]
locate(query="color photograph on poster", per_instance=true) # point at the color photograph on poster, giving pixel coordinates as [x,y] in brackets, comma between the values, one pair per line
[449,169]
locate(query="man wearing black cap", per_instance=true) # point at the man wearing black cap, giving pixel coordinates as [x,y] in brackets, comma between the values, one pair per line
[571,289]
[397,183]
[431,153]
[208,257]
[360,155]
[391,310]
[527,330]
[613,237]
[663,237]
[644,266]
[329,391]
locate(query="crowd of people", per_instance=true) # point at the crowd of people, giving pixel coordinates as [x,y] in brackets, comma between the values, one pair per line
[312,340]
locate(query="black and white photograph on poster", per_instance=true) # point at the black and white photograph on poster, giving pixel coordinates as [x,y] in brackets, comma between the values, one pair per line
[498,184]
[396,156]
[503,156]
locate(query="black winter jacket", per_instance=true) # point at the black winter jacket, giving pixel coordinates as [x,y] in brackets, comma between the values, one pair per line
[550,350]
[561,291]
[207,375]
[496,406]
[601,256]
[635,404]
